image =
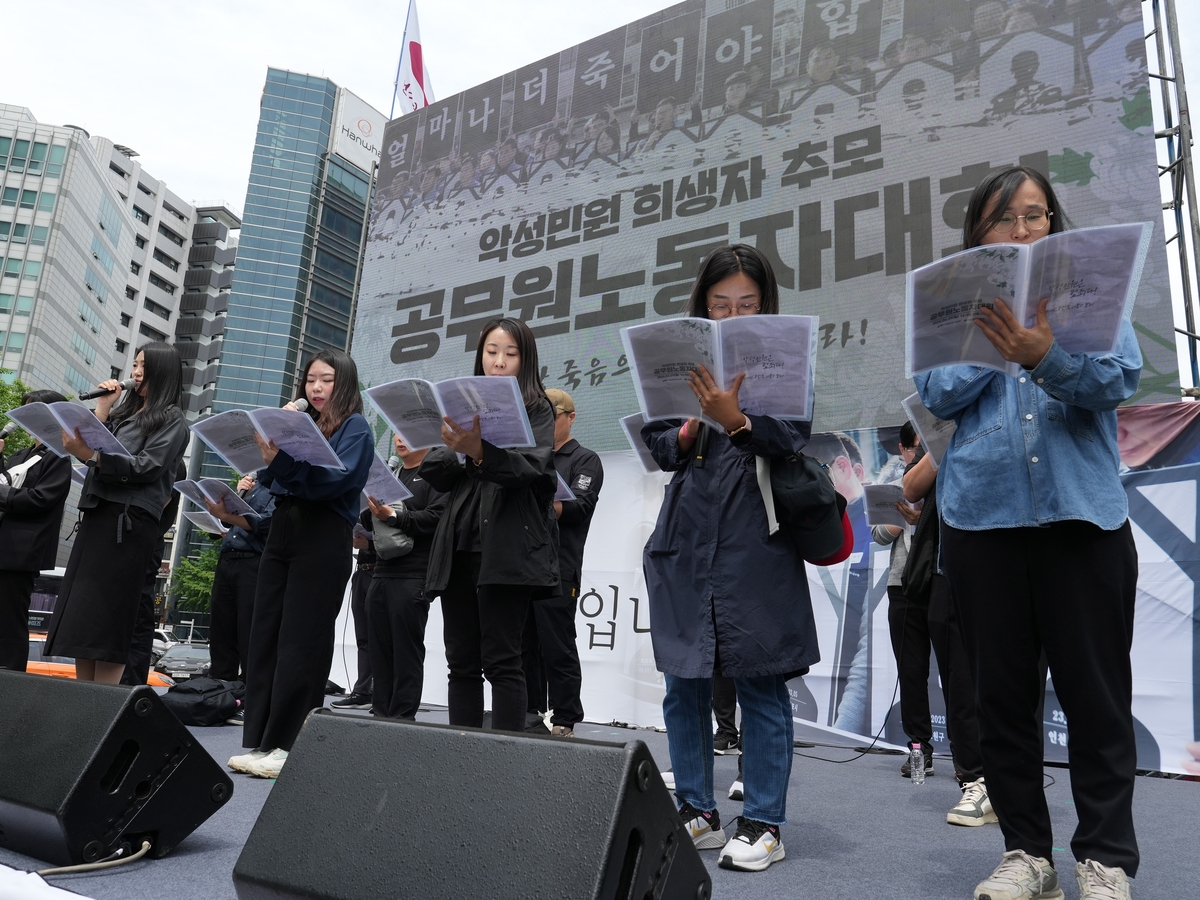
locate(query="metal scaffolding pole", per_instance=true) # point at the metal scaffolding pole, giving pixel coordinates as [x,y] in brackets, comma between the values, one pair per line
[1177,135]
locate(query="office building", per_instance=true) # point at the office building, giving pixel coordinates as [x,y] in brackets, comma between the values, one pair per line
[301,244]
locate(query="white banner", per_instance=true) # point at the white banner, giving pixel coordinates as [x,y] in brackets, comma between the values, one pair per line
[852,688]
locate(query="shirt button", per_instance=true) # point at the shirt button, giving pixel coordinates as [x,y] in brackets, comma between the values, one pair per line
[1022,381]
[1034,459]
[1041,381]
[1028,416]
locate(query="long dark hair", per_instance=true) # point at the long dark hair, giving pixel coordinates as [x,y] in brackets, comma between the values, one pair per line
[346,400]
[529,377]
[43,396]
[726,261]
[1002,185]
[162,374]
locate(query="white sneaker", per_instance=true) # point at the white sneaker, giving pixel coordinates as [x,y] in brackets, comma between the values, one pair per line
[735,789]
[242,763]
[974,808]
[703,828]
[270,765]
[754,847]
[1021,877]
[1100,882]
[669,780]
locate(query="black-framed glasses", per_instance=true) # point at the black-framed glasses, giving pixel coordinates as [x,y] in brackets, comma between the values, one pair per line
[1035,220]
[723,311]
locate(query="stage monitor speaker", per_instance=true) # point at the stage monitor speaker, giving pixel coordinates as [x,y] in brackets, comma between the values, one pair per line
[88,768]
[368,809]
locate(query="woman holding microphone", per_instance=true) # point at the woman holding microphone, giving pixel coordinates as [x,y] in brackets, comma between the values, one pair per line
[122,500]
[305,566]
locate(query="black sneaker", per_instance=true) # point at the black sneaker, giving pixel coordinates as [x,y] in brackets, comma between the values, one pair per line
[904,769]
[704,828]
[726,743]
[354,701]
[238,718]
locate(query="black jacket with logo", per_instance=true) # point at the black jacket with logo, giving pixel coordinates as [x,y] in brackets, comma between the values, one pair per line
[580,468]
[30,515]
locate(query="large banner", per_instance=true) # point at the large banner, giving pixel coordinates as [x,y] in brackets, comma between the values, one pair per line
[841,137]
[852,692]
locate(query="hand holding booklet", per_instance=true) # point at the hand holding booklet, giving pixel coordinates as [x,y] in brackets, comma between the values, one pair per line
[1090,277]
[384,486]
[415,407]
[213,490]
[777,353]
[231,435]
[47,422]
[879,502]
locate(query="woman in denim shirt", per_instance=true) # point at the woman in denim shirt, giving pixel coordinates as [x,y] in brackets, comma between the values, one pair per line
[1038,548]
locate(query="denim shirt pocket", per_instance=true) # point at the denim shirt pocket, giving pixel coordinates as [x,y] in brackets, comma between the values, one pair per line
[984,416]
[1078,421]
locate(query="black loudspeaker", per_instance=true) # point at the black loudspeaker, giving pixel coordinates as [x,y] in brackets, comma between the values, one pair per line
[386,809]
[87,768]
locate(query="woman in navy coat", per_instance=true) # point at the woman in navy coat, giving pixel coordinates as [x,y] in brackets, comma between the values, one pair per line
[725,597]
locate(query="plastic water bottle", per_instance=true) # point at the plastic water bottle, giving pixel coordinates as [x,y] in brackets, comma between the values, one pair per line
[916,763]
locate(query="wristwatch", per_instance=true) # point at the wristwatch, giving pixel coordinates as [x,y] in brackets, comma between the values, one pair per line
[93,461]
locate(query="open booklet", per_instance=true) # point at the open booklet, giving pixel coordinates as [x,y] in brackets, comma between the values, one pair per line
[879,503]
[205,521]
[414,408]
[632,426]
[383,485]
[1090,276]
[936,434]
[231,435]
[777,353]
[47,422]
[212,490]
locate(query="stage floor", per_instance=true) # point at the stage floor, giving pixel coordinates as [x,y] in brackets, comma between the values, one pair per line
[855,831]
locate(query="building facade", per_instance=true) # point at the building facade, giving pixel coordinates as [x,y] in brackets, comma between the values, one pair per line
[301,245]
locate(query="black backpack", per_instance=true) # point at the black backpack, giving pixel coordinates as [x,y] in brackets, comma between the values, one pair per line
[204,701]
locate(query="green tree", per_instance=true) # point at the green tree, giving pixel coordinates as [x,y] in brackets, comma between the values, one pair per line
[10,397]
[192,579]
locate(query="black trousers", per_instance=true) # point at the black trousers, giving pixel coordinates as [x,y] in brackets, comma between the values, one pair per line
[15,591]
[301,581]
[232,607]
[1067,589]
[141,648]
[360,583]
[724,704]
[958,688]
[553,622]
[398,610]
[908,624]
[482,632]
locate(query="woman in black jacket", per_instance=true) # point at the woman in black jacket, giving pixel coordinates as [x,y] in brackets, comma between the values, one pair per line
[34,484]
[494,550]
[123,498]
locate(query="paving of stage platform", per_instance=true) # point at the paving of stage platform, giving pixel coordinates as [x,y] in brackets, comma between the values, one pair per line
[855,831]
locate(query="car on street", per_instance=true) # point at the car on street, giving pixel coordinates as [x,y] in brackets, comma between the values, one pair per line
[184,661]
[64,666]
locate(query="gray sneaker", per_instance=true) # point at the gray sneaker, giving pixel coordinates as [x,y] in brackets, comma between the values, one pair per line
[1021,877]
[974,808]
[1100,882]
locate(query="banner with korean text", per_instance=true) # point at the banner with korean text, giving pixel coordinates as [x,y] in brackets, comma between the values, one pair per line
[841,137]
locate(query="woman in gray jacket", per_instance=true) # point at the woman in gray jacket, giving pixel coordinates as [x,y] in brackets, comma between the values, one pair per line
[123,498]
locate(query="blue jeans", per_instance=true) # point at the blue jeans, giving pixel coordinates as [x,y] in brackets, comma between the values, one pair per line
[766,743]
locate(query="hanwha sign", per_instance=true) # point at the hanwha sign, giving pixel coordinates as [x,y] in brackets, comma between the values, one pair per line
[354,129]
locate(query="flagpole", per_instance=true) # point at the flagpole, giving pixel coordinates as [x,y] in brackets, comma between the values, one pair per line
[400,62]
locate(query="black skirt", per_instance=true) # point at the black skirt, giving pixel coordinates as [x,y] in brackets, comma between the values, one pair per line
[98,601]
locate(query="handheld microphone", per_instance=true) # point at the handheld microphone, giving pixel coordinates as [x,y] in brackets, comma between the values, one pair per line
[126,385]
[8,429]
[301,405]
[394,463]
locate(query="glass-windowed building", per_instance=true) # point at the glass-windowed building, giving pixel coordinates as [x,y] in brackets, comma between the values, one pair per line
[302,237]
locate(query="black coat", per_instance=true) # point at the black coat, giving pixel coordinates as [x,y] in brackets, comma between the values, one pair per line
[517,532]
[30,516]
[144,479]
